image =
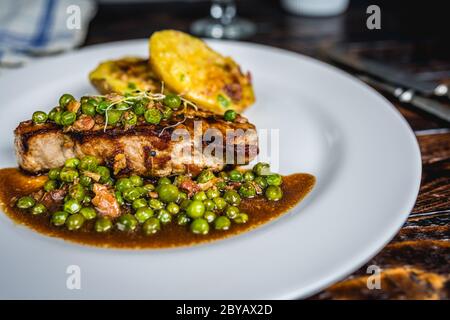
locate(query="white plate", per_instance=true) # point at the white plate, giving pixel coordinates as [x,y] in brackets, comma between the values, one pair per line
[363,153]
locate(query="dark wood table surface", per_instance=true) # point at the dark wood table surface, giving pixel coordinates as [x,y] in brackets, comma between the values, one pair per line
[416,263]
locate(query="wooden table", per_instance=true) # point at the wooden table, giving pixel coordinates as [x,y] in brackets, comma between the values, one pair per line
[416,263]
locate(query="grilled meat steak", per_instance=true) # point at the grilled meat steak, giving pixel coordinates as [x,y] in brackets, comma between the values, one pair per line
[144,149]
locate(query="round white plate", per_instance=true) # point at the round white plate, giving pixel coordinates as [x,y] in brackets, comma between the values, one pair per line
[363,153]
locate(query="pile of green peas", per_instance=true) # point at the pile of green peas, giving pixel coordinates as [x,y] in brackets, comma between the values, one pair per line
[129,111]
[150,204]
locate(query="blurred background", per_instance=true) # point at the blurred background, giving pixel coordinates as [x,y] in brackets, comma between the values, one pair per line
[410,35]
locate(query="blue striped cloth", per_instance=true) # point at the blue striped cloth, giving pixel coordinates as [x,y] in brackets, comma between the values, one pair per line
[38,27]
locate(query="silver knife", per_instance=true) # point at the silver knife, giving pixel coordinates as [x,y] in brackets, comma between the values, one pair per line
[388,73]
[433,107]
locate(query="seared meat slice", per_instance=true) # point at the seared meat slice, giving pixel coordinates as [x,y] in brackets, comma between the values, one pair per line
[170,147]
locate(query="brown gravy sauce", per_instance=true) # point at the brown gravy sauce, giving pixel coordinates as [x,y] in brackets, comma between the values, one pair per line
[14,183]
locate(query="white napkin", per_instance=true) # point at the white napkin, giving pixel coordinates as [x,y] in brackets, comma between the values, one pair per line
[39,27]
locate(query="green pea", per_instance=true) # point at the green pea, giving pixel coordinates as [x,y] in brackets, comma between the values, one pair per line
[65,99]
[181,197]
[183,220]
[222,223]
[53,174]
[167,113]
[155,204]
[261,169]
[102,107]
[209,205]
[212,193]
[195,209]
[200,226]
[201,195]
[274,193]
[38,209]
[131,194]
[241,218]
[249,176]
[136,181]
[52,113]
[153,116]
[50,185]
[88,108]
[119,198]
[113,116]
[205,176]
[84,99]
[230,115]
[220,203]
[75,221]
[122,106]
[123,184]
[103,224]
[129,118]
[173,101]
[173,208]
[221,185]
[164,216]
[151,226]
[86,200]
[143,213]
[57,117]
[104,173]
[168,193]
[261,181]
[232,212]
[235,175]
[72,163]
[39,117]
[139,203]
[149,187]
[224,176]
[68,174]
[139,108]
[88,163]
[247,190]
[59,218]
[209,216]
[25,202]
[232,197]
[126,222]
[86,181]
[163,181]
[274,179]
[77,192]
[88,213]
[68,118]
[185,203]
[72,206]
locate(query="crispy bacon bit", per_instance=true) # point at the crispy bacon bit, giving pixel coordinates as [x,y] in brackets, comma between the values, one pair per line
[84,123]
[189,186]
[99,119]
[120,162]
[209,184]
[52,200]
[73,106]
[94,176]
[105,202]
[153,194]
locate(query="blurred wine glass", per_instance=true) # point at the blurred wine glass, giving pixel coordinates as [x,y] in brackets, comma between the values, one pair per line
[223,22]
